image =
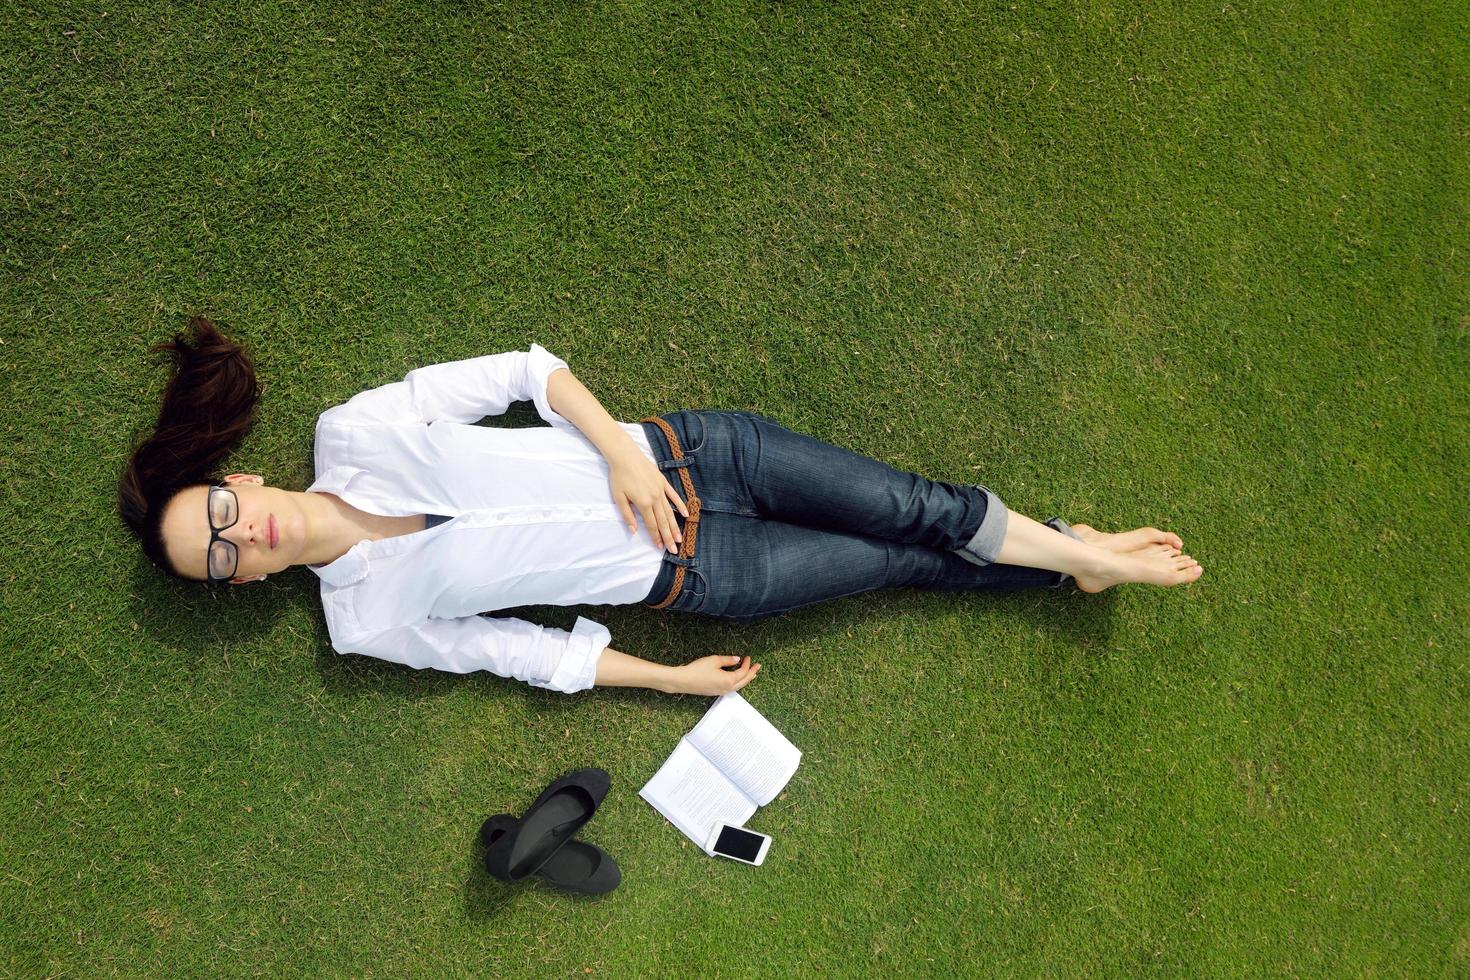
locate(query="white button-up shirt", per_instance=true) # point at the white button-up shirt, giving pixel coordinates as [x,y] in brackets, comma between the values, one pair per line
[533,523]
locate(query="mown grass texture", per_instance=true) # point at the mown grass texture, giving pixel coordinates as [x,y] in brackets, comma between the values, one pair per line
[1195,265]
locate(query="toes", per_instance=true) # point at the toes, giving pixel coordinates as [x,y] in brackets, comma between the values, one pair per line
[1186,575]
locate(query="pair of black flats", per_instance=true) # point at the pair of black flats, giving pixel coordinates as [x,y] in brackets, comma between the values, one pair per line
[541,842]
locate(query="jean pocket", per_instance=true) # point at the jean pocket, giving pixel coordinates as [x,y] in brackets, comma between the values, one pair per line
[693,437]
[692,595]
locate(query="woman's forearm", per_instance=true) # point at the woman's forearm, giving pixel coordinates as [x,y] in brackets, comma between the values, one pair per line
[618,669]
[713,675]
[571,400]
[636,483]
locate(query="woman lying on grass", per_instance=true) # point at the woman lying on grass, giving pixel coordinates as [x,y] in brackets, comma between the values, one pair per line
[419,520]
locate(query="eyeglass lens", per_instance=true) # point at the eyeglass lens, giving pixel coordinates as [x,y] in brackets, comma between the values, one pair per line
[223,513]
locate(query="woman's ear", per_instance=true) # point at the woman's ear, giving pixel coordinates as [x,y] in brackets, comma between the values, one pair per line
[245,478]
[252,578]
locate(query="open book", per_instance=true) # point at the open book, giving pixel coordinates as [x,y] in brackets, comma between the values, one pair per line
[733,762]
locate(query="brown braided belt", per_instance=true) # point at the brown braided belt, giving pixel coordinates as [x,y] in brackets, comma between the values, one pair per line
[691,523]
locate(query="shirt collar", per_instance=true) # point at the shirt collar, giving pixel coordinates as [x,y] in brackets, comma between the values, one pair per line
[347,570]
[334,480]
[351,567]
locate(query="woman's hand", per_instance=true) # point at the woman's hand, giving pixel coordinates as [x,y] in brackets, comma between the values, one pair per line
[708,675]
[636,481]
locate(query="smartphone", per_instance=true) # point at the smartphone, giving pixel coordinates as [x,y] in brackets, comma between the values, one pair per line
[738,844]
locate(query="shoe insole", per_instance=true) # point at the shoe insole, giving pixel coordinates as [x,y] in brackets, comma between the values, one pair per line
[575,863]
[544,831]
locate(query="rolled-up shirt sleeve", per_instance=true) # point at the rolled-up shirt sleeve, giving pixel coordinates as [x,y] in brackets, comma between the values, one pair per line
[459,391]
[541,656]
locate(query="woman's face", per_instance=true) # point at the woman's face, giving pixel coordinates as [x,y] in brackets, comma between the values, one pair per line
[269,532]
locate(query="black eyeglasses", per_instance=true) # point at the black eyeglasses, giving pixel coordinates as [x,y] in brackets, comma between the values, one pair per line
[224,511]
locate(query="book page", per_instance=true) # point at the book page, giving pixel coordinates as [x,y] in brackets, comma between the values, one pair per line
[695,796]
[746,747]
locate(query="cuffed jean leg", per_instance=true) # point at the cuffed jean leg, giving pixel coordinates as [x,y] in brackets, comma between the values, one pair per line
[984,547]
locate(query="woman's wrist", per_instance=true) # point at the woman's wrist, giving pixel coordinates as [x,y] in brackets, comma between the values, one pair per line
[669,680]
[618,669]
[620,450]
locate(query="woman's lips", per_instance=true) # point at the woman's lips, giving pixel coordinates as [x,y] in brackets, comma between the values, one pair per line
[275,533]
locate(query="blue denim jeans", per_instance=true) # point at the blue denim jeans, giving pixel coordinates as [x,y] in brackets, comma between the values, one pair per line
[789,520]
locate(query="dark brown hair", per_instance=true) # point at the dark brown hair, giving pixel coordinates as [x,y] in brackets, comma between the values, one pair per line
[207,409]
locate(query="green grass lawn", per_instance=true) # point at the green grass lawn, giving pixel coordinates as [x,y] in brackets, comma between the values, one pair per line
[1204,266]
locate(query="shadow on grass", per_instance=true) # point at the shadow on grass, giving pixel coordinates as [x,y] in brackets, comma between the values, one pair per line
[650,634]
[1073,619]
[195,621]
[486,897]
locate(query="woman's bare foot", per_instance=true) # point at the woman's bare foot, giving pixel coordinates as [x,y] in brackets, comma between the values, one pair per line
[1127,541]
[1157,564]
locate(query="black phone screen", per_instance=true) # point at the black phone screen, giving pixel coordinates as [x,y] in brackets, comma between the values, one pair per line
[739,843]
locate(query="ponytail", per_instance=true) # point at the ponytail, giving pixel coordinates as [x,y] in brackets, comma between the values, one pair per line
[207,409]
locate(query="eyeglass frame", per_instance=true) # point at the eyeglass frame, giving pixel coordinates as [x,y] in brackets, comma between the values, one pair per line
[214,533]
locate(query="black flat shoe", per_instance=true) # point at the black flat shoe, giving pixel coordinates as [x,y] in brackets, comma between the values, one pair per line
[558,813]
[577,867]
